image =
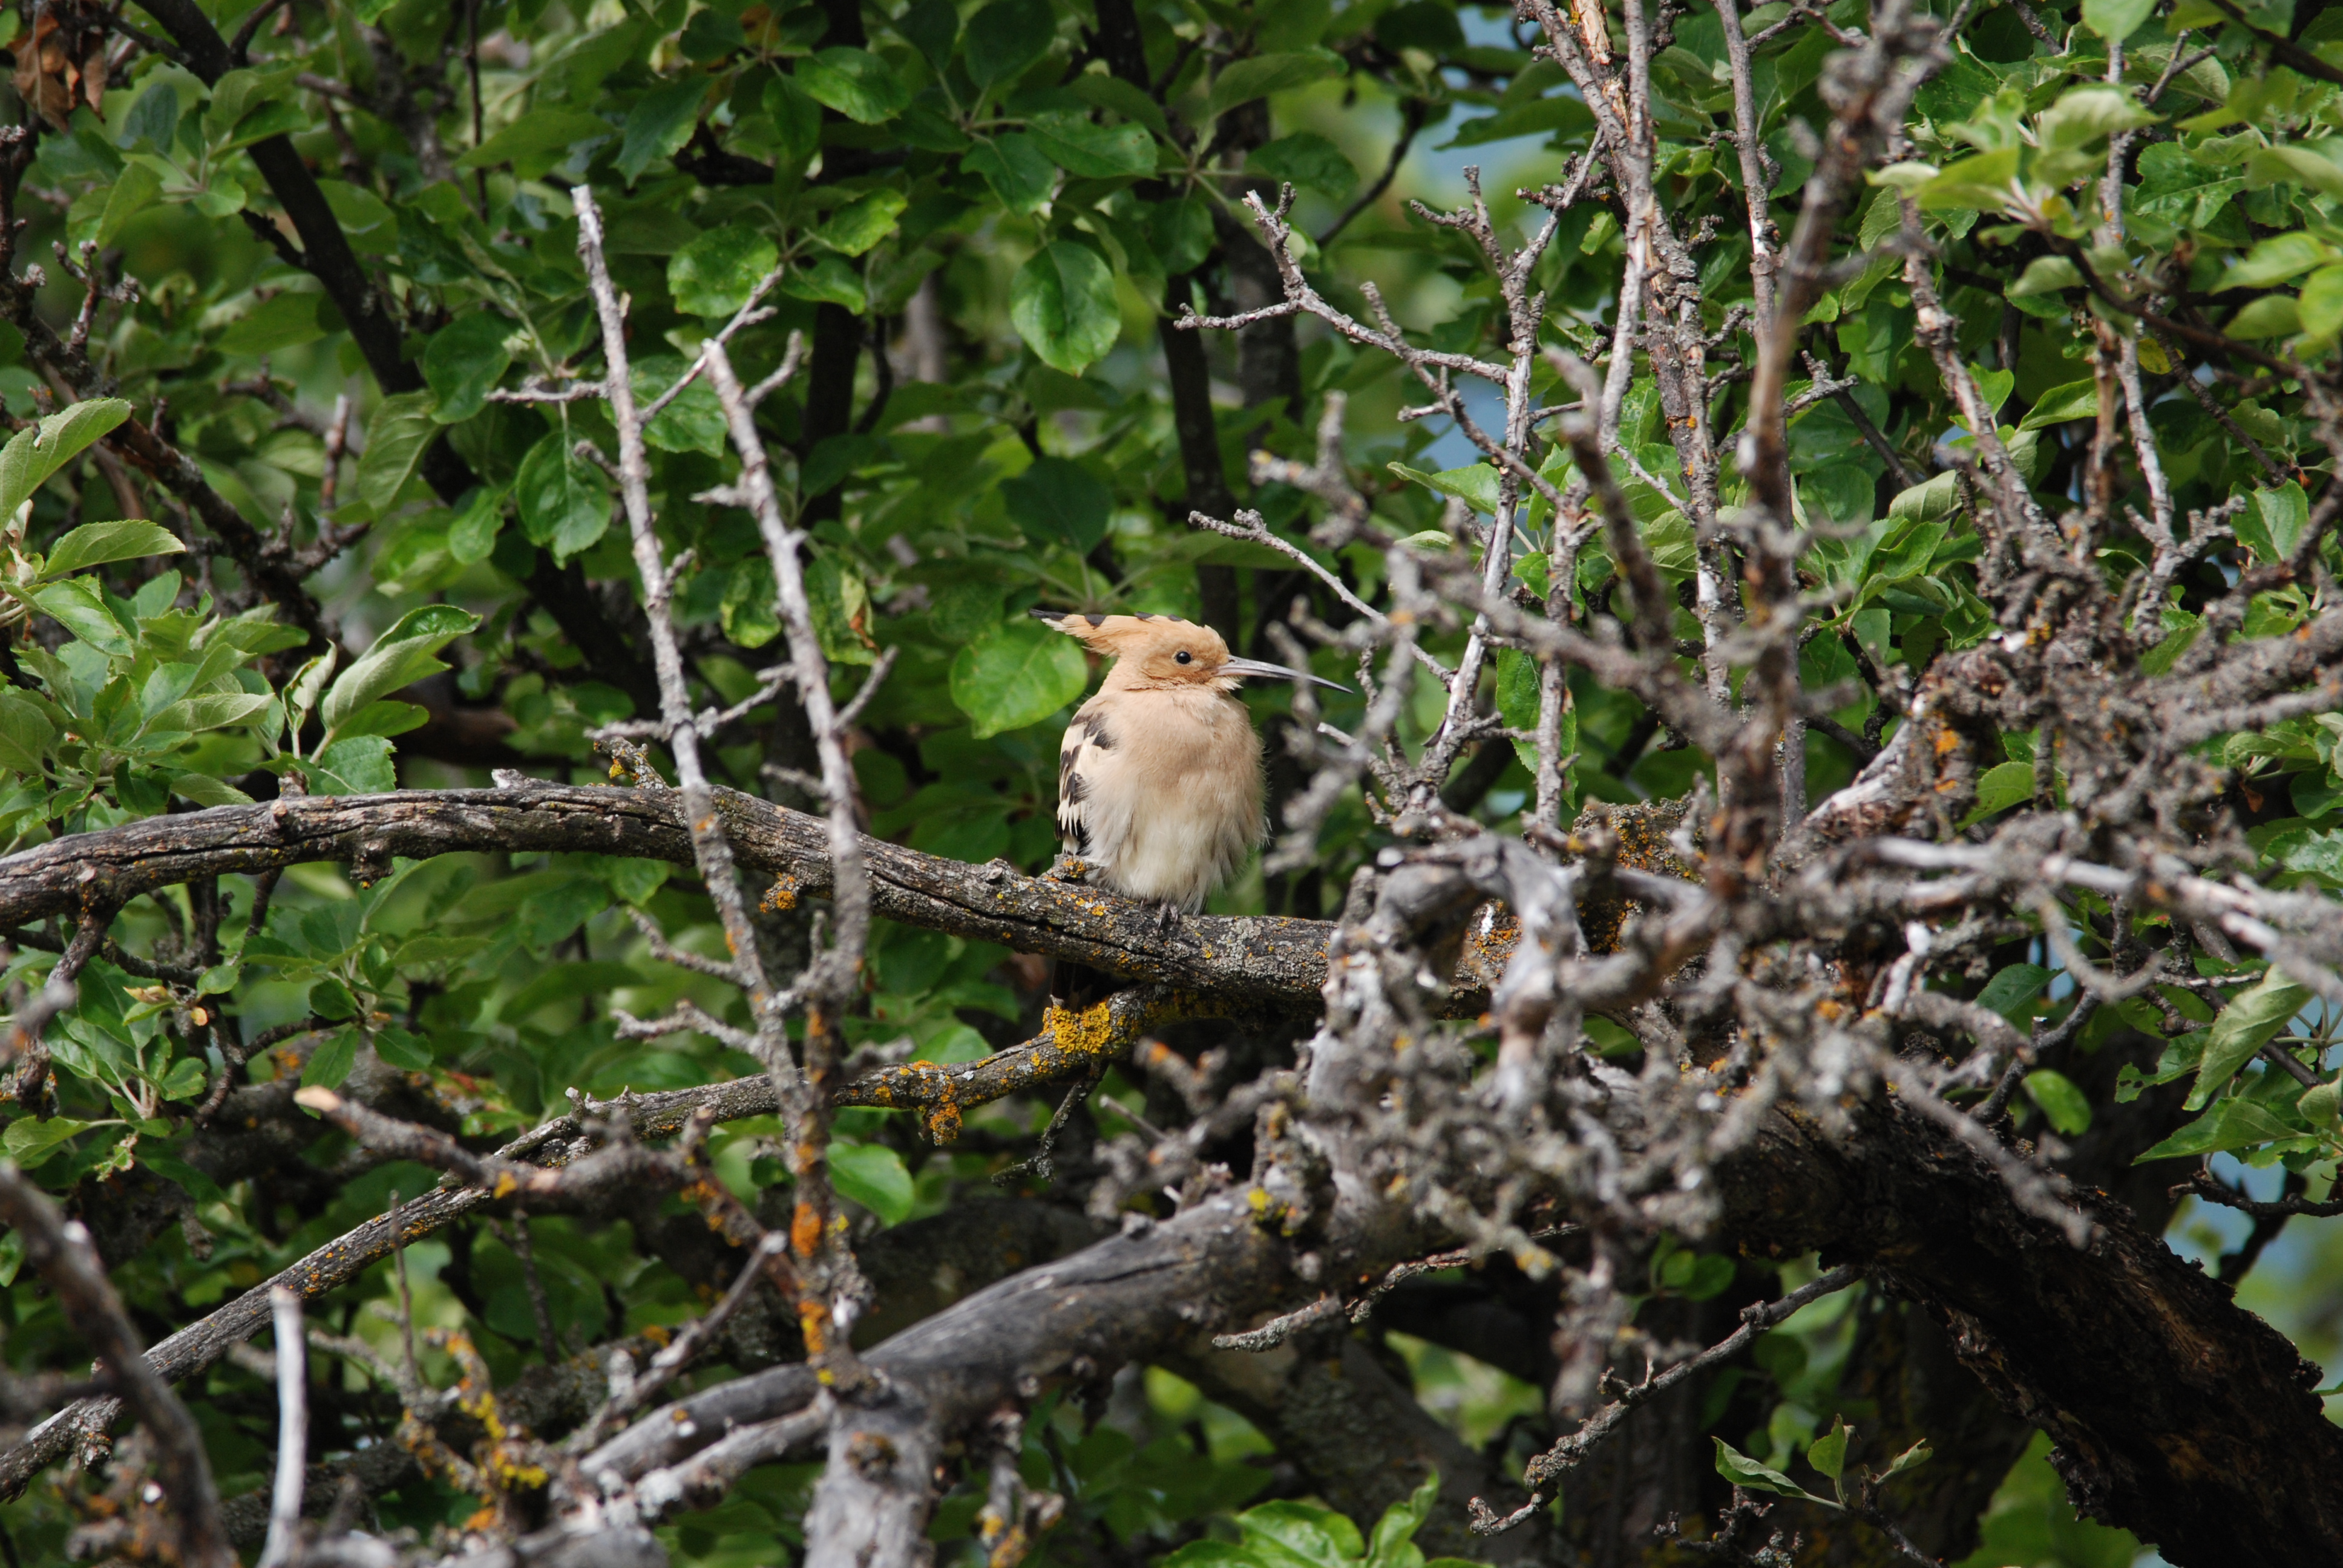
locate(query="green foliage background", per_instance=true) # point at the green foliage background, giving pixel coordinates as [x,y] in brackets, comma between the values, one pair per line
[985,167]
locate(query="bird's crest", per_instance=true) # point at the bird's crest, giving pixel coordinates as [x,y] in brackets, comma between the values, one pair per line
[1141,637]
[1164,652]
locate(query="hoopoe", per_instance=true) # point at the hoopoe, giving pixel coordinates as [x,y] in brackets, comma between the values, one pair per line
[1159,777]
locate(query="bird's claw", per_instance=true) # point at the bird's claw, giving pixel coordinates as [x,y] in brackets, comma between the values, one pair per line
[1167,919]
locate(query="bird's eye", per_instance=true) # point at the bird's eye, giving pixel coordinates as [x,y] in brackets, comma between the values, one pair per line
[1184,657]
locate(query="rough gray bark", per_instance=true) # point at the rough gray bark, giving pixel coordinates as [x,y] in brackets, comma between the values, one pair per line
[1267,961]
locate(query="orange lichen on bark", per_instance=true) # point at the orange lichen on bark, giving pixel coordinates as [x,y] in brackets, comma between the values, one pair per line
[1644,832]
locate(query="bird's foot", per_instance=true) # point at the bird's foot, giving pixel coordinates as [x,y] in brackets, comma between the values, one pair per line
[1167,918]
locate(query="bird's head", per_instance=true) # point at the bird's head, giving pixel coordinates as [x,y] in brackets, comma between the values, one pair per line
[1161,652]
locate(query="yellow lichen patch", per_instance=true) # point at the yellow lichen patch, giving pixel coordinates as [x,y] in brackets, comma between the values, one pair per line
[1091,1032]
[805,1230]
[1644,833]
[782,896]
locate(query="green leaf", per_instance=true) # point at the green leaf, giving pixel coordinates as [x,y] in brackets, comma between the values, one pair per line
[329,1065]
[30,1141]
[1981,183]
[2000,786]
[932,27]
[97,544]
[370,223]
[154,119]
[281,321]
[185,1080]
[749,615]
[2235,1124]
[2271,315]
[236,93]
[1019,172]
[385,717]
[472,536]
[1912,1458]
[2068,1108]
[1750,1476]
[1993,386]
[1006,36]
[309,684]
[1290,1534]
[826,280]
[407,1052]
[75,604]
[1517,702]
[1477,485]
[2115,20]
[135,187]
[400,656]
[715,274]
[2074,400]
[2253,1019]
[361,765]
[1062,303]
[872,1175]
[1093,151]
[205,791]
[564,500]
[692,422]
[1828,1453]
[464,360]
[2276,260]
[856,83]
[1058,502]
[840,602]
[1017,674]
[2086,114]
[862,222]
[2320,305]
[26,734]
[402,426]
[213,711]
[660,124]
[2275,525]
[38,451]
[2012,989]
[2047,274]
[1243,81]
[2314,164]
[536,141]
[1204,1553]
[1105,92]
[1928,502]
[1392,1542]
[1308,160]
[1180,233]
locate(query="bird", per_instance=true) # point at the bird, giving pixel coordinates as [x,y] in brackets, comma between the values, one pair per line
[1159,775]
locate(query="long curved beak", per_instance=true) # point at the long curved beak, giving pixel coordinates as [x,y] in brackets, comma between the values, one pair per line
[1277,672]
